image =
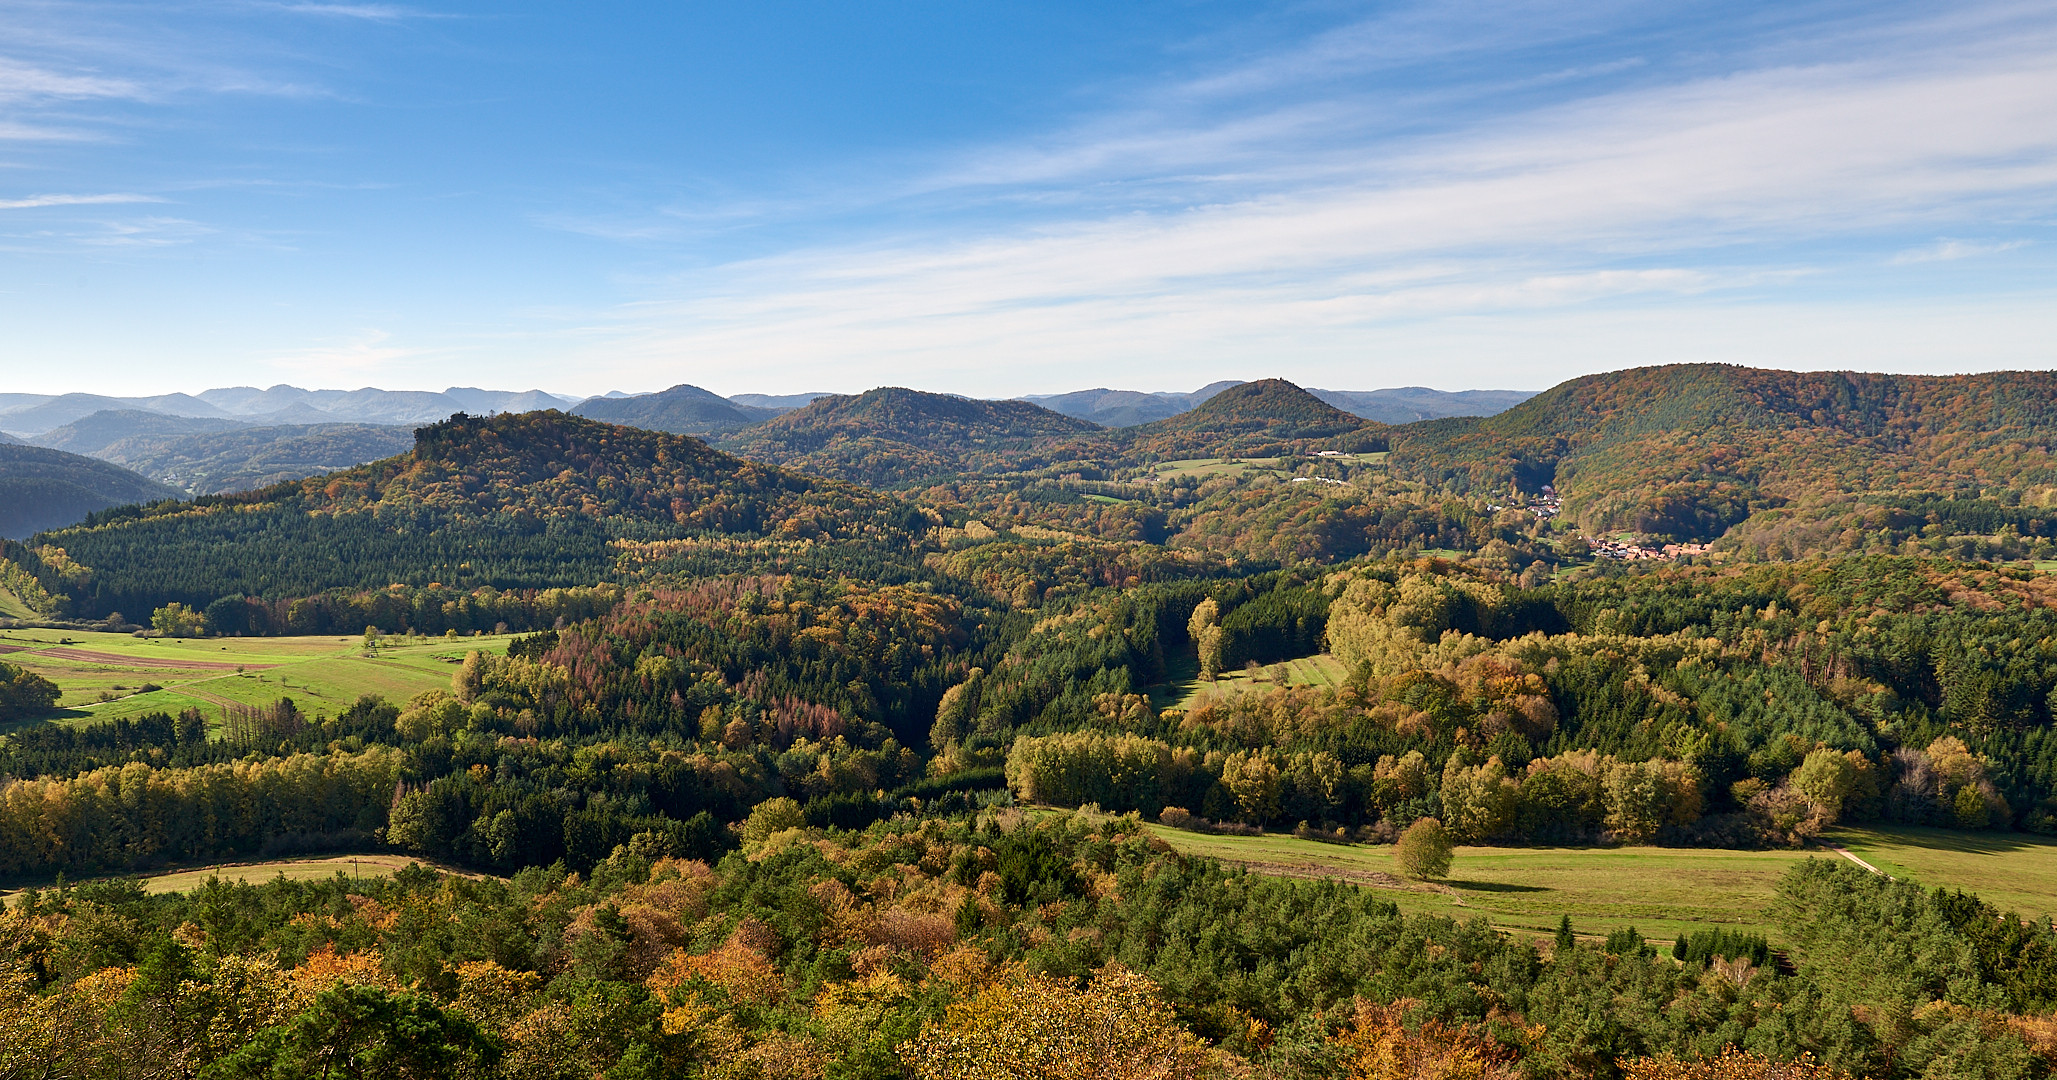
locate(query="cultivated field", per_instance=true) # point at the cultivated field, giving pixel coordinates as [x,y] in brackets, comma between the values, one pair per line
[104,676]
[1659,891]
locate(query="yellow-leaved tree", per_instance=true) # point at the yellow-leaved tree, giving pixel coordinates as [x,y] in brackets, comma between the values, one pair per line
[1049,1029]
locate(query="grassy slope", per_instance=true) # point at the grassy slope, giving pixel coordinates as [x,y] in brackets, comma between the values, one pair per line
[1322,670]
[322,675]
[12,607]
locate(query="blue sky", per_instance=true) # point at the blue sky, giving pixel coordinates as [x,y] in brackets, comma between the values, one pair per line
[996,199]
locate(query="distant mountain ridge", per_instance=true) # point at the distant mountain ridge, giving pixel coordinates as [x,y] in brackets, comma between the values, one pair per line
[1407,404]
[96,432]
[35,414]
[780,402]
[1125,408]
[1399,405]
[239,437]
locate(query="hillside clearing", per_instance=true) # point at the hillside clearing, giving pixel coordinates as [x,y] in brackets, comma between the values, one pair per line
[1191,691]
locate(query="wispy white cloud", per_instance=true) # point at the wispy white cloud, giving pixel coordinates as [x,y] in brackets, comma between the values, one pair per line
[20,81]
[367,352]
[143,232]
[1952,250]
[1549,209]
[74,200]
[374,12]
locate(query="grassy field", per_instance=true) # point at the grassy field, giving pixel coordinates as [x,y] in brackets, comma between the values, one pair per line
[1322,670]
[1660,891]
[104,676]
[257,873]
[2012,871]
[1205,467]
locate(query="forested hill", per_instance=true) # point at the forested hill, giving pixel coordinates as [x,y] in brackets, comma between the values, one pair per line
[683,410]
[47,489]
[515,501]
[1690,450]
[894,435]
[1265,417]
[1269,407]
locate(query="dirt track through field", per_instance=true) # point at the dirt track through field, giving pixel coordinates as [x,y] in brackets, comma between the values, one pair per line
[89,657]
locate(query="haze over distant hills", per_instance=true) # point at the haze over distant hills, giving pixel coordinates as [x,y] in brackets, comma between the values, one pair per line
[1403,405]
[1125,408]
[34,414]
[237,438]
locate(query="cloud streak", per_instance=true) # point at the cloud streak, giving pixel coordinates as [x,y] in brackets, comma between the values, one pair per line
[1951,251]
[34,201]
[1675,194]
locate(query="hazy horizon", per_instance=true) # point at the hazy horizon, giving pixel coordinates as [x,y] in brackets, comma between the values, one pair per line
[4,390]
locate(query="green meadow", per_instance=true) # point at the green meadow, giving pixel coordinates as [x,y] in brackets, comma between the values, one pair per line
[1662,892]
[104,676]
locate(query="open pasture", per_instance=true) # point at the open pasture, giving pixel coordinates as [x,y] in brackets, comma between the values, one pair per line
[1206,467]
[1660,891]
[103,676]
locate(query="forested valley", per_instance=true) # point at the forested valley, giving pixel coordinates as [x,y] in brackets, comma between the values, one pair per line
[764,773]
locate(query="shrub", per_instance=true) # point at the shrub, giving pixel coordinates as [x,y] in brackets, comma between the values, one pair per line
[1424,850]
[1178,817]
